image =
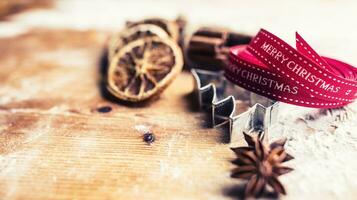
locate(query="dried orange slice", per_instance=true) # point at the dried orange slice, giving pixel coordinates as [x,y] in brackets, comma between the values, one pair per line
[171,27]
[130,34]
[143,68]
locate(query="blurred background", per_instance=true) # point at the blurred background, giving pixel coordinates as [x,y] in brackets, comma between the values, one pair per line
[328,25]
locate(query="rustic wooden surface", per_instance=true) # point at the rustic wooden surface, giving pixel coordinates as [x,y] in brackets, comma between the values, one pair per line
[55,145]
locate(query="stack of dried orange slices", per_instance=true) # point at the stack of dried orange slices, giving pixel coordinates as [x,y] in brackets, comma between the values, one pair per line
[143,59]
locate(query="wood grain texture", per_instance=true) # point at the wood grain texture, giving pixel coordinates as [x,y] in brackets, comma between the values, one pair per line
[55,145]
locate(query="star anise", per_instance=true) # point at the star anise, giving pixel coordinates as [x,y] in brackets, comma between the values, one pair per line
[276,144]
[261,166]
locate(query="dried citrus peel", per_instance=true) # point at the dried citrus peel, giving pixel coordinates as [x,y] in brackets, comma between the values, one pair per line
[143,68]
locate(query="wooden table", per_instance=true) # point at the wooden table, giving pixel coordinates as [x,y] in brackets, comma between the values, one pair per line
[54,144]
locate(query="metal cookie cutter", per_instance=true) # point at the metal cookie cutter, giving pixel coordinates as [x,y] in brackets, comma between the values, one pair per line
[222,99]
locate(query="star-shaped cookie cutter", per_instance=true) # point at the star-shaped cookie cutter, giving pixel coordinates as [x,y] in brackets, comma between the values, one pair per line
[220,97]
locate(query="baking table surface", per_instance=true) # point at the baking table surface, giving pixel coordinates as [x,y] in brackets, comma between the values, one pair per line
[54,144]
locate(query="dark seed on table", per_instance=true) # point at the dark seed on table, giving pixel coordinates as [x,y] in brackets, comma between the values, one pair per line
[104,109]
[149,137]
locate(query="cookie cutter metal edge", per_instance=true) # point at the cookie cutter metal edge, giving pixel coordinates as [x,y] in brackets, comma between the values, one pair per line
[257,119]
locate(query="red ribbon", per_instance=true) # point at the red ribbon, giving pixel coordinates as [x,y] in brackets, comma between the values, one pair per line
[270,67]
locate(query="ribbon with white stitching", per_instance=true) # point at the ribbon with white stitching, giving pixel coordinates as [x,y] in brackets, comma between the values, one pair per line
[270,67]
